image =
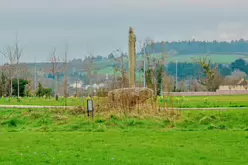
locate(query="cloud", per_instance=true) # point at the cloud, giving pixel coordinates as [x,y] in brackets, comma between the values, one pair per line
[100,26]
[224,31]
[56,4]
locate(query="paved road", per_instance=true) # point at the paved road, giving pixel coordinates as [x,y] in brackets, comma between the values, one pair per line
[59,107]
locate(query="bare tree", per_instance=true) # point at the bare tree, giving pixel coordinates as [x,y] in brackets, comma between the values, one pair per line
[154,71]
[121,59]
[169,83]
[59,65]
[64,70]
[13,55]
[9,53]
[212,79]
[55,70]
[89,67]
[147,58]
[17,56]
[2,81]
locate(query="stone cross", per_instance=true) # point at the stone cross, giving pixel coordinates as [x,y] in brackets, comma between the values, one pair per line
[132,58]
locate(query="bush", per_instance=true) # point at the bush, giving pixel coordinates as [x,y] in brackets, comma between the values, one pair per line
[43,91]
[207,119]
[11,123]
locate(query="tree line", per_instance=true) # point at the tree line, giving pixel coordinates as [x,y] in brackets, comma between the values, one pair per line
[194,70]
[200,47]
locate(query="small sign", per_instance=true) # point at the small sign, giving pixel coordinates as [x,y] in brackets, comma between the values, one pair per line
[90,105]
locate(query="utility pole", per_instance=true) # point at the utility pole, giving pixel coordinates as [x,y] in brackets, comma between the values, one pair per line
[54,70]
[35,77]
[66,81]
[54,79]
[57,80]
[11,85]
[161,87]
[144,73]
[107,80]
[76,88]
[176,74]
[18,77]
[18,54]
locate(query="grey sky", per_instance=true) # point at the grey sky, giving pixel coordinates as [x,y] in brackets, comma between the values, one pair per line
[101,26]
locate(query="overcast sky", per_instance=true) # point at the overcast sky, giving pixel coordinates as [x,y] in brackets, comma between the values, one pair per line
[100,26]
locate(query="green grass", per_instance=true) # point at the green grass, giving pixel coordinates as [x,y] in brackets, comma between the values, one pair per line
[186,102]
[132,147]
[215,58]
[69,137]
[206,101]
[15,120]
[43,101]
[107,70]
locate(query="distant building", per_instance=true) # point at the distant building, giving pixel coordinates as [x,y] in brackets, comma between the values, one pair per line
[76,84]
[241,85]
[95,86]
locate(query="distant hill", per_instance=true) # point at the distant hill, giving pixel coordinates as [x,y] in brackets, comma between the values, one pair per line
[198,47]
[184,52]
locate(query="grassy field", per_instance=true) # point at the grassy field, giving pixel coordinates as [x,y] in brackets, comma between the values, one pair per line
[186,102]
[215,58]
[132,147]
[206,101]
[43,101]
[69,137]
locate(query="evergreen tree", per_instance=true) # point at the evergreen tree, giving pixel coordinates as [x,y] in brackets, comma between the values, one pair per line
[22,84]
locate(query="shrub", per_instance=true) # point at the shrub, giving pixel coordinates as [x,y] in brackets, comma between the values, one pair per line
[43,91]
[11,123]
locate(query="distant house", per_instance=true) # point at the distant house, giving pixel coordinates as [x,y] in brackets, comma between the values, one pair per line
[95,86]
[77,84]
[241,85]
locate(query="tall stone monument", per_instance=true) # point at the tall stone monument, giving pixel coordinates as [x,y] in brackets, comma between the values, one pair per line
[132,58]
[129,97]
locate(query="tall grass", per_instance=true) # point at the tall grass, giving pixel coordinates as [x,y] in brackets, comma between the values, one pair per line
[77,120]
[162,101]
